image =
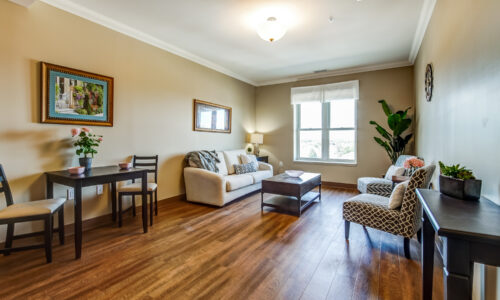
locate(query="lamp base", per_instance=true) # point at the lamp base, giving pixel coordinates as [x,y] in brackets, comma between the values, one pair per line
[256,149]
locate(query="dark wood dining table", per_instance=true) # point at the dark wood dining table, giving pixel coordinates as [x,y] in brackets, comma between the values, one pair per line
[96,176]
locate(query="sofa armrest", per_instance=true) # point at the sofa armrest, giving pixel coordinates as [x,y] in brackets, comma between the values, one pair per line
[265,166]
[204,186]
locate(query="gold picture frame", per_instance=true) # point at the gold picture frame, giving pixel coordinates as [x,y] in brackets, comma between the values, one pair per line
[71,96]
[211,117]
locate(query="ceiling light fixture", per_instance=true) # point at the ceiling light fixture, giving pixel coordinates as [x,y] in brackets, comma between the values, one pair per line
[271,30]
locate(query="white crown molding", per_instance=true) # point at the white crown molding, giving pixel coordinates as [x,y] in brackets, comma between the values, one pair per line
[338,72]
[25,3]
[92,16]
[423,22]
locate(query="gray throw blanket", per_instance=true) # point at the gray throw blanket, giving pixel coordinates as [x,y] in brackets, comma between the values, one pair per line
[202,159]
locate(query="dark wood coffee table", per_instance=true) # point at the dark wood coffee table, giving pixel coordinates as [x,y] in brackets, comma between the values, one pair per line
[293,194]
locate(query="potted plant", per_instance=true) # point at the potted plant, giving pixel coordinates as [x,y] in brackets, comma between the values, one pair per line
[459,182]
[86,144]
[393,142]
[249,150]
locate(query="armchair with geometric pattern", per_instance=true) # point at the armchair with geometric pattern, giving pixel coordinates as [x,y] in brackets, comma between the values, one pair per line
[373,210]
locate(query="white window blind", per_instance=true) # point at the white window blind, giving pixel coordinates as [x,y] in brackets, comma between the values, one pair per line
[347,90]
[325,122]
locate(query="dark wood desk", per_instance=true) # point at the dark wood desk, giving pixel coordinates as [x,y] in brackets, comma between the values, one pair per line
[470,231]
[96,176]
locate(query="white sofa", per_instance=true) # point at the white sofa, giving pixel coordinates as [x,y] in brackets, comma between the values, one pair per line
[217,189]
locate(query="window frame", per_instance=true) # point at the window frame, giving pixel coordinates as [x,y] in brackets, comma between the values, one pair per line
[325,133]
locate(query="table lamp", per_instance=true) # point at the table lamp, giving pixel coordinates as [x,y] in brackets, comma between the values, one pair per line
[256,139]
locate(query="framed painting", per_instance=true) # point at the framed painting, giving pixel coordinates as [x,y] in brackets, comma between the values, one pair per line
[72,96]
[211,117]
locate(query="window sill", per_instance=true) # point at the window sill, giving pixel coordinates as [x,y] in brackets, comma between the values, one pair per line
[319,162]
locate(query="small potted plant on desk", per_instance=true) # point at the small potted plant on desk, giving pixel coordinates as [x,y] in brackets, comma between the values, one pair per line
[86,144]
[459,182]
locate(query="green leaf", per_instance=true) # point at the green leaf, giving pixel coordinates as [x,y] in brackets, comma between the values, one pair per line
[383,144]
[393,121]
[385,107]
[384,133]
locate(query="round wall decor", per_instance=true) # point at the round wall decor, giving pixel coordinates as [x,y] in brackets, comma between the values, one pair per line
[429,82]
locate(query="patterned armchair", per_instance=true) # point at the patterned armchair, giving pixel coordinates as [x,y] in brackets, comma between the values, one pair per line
[380,186]
[373,210]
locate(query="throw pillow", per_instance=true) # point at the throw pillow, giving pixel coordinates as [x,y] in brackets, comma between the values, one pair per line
[397,195]
[244,168]
[249,159]
[394,171]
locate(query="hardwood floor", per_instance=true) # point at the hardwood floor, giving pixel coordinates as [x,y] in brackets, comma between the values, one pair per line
[195,251]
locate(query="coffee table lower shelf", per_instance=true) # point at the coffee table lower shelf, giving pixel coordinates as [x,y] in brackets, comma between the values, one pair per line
[289,203]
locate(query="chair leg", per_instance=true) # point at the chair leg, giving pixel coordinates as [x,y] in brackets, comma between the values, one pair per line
[52,228]
[156,202]
[60,215]
[419,236]
[48,238]
[9,238]
[151,209]
[133,205]
[347,226]
[120,198]
[406,247]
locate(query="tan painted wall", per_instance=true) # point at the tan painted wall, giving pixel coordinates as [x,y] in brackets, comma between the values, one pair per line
[153,103]
[461,124]
[274,118]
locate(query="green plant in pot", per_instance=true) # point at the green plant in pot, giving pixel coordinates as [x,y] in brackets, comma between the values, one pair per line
[249,149]
[459,182]
[393,142]
[86,144]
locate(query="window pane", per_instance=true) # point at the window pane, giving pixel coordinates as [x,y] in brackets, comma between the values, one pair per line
[310,144]
[310,115]
[342,144]
[342,113]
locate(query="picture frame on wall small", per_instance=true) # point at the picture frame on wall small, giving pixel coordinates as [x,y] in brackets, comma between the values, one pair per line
[211,117]
[71,96]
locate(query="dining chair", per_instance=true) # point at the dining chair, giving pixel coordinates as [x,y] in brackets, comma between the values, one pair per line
[133,189]
[30,211]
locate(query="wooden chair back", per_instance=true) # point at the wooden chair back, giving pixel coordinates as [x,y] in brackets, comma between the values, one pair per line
[5,188]
[150,162]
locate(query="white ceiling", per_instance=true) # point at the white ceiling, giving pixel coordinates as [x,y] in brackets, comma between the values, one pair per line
[221,34]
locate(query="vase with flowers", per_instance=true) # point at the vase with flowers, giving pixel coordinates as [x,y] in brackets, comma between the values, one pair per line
[412,164]
[86,144]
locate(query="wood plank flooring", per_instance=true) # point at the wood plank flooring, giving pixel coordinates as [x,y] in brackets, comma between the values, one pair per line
[199,252]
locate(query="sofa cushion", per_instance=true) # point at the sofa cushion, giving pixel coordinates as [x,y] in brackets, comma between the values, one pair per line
[222,165]
[245,168]
[249,159]
[232,158]
[261,175]
[234,182]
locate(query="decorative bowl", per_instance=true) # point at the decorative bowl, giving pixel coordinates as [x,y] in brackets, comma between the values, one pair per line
[294,173]
[125,165]
[76,170]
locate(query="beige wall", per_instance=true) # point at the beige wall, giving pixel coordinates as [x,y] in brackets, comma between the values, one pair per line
[274,118]
[153,103]
[461,124]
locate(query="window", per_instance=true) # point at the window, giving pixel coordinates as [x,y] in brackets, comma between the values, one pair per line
[325,122]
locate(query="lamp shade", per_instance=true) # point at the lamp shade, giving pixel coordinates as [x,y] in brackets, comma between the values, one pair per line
[256,138]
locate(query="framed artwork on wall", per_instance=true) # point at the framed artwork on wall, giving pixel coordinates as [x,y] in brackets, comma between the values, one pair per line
[211,117]
[71,96]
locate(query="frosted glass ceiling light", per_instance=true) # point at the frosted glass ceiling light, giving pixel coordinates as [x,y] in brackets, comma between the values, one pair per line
[271,30]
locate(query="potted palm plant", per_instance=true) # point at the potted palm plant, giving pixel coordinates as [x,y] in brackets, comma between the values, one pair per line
[459,182]
[398,123]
